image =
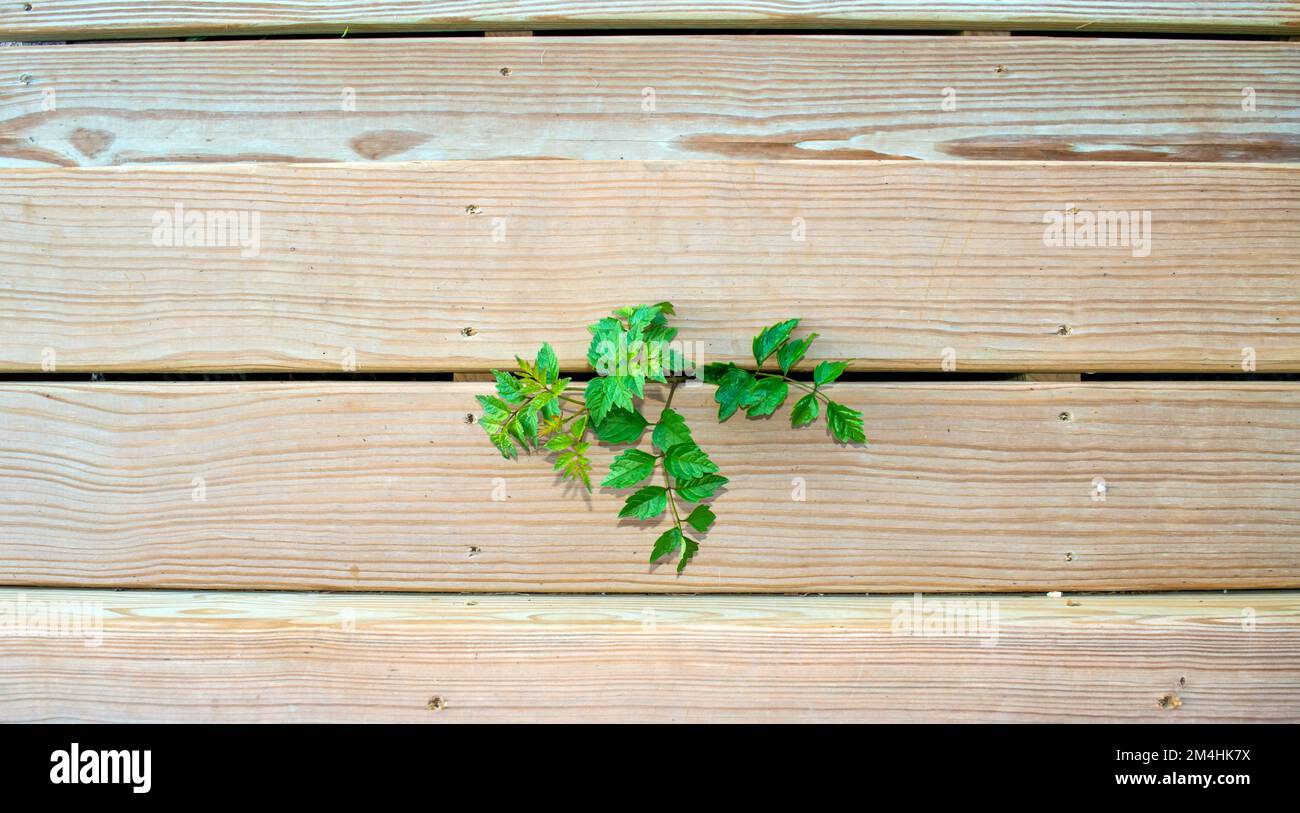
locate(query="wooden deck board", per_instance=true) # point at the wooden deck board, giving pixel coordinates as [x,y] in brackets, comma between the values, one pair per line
[384,486]
[87,19]
[266,657]
[458,266]
[645,98]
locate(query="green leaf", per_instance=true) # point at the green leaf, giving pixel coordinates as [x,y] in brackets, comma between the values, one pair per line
[700,488]
[508,387]
[732,390]
[607,336]
[766,396]
[805,410]
[621,426]
[524,427]
[670,431]
[701,519]
[630,468]
[621,388]
[639,319]
[669,541]
[647,503]
[686,461]
[828,371]
[666,307]
[599,398]
[575,465]
[791,353]
[552,408]
[691,547]
[716,371]
[493,408]
[501,440]
[845,423]
[770,338]
[548,366]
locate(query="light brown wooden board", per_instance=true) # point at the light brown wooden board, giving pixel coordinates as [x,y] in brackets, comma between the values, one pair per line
[268,657]
[86,19]
[384,486]
[461,265]
[637,98]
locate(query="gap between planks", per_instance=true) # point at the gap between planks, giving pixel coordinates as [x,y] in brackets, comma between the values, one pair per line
[91,19]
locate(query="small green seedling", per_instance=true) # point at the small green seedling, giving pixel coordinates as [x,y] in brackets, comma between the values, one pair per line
[535,408]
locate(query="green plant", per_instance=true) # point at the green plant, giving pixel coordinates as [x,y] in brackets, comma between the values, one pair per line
[629,349]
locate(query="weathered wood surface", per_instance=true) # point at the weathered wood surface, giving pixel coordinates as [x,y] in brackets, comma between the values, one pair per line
[651,98]
[268,657]
[385,486]
[87,19]
[461,265]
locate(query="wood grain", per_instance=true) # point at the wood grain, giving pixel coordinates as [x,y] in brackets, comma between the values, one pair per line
[385,486]
[460,265]
[88,19]
[640,98]
[267,657]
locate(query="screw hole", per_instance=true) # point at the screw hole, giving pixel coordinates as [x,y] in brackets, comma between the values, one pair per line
[469,417]
[437,704]
[505,71]
[1065,416]
[468,331]
[472,209]
[1063,330]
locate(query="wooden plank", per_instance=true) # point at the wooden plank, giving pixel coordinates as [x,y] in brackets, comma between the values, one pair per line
[268,657]
[642,98]
[90,19]
[903,265]
[385,486]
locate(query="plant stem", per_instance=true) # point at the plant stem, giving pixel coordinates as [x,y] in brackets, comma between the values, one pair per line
[672,503]
[801,385]
[668,479]
[579,413]
[671,391]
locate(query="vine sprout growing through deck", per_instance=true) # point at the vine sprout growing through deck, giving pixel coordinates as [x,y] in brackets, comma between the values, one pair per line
[534,409]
